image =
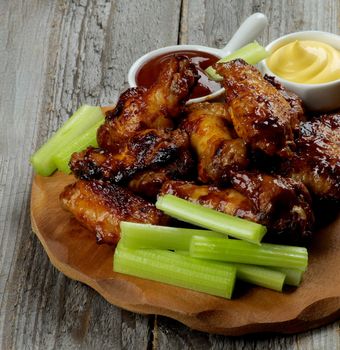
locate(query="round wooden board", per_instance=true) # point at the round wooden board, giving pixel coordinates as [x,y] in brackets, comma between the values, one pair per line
[72,250]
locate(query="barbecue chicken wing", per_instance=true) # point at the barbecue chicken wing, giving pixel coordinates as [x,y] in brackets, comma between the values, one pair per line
[146,149]
[317,159]
[260,114]
[292,98]
[149,182]
[227,200]
[154,108]
[101,207]
[217,149]
[283,205]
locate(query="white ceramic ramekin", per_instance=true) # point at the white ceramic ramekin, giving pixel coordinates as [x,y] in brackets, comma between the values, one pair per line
[246,33]
[317,97]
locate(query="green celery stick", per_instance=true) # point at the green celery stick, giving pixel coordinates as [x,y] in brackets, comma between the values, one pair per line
[171,268]
[135,236]
[83,119]
[183,252]
[258,275]
[293,276]
[261,276]
[89,138]
[252,53]
[232,250]
[211,219]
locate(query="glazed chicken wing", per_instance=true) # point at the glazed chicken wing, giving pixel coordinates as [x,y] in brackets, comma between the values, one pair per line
[260,114]
[154,108]
[149,182]
[283,205]
[146,149]
[101,207]
[292,98]
[226,200]
[217,150]
[317,159]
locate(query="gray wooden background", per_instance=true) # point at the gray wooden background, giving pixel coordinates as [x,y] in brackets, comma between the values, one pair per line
[55,56]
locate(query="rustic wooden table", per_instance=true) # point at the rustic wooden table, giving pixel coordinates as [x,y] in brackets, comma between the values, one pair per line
[55,56]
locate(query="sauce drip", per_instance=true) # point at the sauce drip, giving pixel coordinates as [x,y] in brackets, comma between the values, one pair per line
[148,73]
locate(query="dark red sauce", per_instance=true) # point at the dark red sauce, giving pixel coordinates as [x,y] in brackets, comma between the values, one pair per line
[148,73]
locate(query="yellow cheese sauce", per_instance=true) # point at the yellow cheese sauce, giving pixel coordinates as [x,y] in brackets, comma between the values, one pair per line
[306,61]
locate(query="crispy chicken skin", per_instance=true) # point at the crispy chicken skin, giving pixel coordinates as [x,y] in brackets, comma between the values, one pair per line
[317,159]
[217,150]
[154,108]
[282,205]
[101,207]
[146,149]
[149,182]
[292,98]
[226,200]
[262,117]
[285,205]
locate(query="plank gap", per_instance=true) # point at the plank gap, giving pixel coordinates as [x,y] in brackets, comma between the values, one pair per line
[153,342]
[180,22]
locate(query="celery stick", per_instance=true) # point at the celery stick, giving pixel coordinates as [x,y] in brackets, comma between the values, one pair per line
[89,138]
[232,250]
[135,235]
[171,268]
[261,276]
[293,276]
[211,219]
[83,119]
[252,53]
[183,252]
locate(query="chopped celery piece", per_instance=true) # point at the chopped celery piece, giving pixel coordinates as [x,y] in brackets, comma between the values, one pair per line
[211,219]
[83,119]
[293,276]
[171,268]
[261,276]
[89,138]
[258,275]
[135,235]
[183,252]
[237,251]
[252,53]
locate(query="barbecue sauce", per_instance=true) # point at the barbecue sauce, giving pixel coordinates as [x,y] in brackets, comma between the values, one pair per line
[148,73]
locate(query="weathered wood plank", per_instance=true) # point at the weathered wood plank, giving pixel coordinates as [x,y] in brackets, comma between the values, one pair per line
[212,23]
[57,55]
[22,77]
[173,335]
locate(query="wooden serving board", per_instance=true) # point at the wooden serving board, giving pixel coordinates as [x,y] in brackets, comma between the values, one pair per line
[72,250]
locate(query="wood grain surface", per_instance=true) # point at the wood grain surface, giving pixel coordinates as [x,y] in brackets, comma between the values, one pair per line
[54,56]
